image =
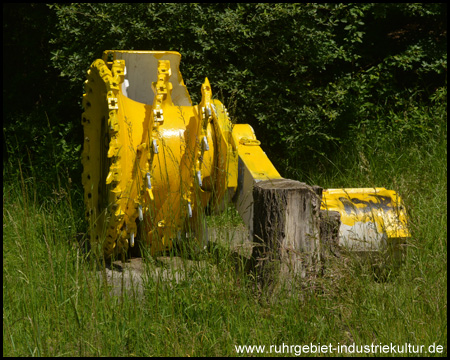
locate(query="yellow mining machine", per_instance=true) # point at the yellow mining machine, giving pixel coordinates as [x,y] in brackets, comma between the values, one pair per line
[153,161]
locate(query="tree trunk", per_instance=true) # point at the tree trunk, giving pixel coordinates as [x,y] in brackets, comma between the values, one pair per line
[286,225]
[330,222]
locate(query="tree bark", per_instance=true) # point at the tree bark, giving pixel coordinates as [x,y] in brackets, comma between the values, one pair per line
[330,221]
[286,225]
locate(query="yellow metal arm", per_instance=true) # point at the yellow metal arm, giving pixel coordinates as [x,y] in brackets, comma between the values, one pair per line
[253,166]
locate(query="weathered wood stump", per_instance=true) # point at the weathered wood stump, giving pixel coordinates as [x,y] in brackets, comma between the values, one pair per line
[286,225]
[330,221]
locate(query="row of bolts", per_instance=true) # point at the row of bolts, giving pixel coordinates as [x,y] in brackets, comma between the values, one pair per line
[205,147]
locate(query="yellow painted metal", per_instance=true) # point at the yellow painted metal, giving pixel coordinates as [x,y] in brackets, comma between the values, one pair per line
[156,161]
[225,172]
[370,217]
[253,166]
[251,154]
[102,139]
[152,161]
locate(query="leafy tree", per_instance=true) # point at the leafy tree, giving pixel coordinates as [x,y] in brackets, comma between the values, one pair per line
[308,77]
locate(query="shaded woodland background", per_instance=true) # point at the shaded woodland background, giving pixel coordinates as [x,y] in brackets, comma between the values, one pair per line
[312,79]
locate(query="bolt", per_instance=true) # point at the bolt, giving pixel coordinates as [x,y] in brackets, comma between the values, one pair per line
[149,183]
[199,178]
[205,144]
[141,216]
[189,209]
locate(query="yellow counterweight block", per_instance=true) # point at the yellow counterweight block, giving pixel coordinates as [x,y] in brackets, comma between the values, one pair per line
[150,157]
[372,219]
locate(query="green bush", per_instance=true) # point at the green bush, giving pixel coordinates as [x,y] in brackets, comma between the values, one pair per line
[308,77]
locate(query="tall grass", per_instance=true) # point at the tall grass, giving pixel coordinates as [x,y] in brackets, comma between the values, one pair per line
[57,302]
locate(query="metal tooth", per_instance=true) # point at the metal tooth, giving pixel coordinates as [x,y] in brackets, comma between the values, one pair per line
[199,178]
[205,144]
[117,190]
[189,209]
[113,174]
[149,183]
[132,240]
[208,111]
[109,178]
[113,146]
[141,215]
[113,122]
[155,147]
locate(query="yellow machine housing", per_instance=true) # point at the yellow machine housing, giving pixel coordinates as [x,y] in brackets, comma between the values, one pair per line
[149,155]
[372,219]
[152,158]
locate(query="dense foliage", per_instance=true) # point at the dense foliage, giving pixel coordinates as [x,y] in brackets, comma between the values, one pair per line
[310,78]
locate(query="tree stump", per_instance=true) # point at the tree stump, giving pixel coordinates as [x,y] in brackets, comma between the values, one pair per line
[286,225]
[330,222]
